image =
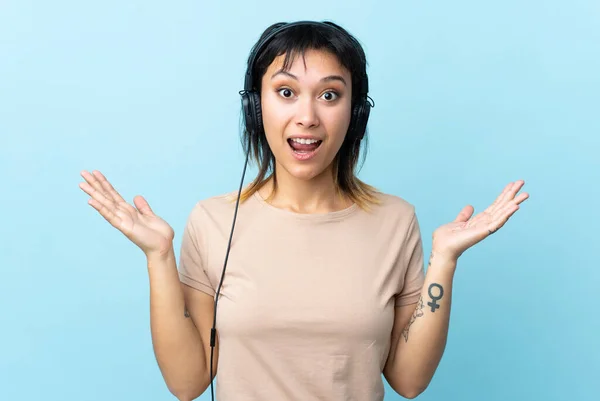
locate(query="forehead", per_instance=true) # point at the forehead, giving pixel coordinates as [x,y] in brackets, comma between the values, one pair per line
[319,62]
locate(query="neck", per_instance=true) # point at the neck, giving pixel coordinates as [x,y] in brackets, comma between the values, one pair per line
[316,195]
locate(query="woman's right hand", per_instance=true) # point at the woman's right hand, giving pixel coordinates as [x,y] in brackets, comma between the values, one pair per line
[149,232]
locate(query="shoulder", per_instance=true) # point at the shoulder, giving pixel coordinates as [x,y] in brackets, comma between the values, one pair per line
[220,207]
[215,204]
[396,220]
[393,205]
[392,216]
[219,202]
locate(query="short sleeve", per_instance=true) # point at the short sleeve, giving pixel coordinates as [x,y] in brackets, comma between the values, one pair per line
[192,257]
[412,257]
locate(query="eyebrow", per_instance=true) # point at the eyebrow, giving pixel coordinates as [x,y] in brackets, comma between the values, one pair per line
[324,79]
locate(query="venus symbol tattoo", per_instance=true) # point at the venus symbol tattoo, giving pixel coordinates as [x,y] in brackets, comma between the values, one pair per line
[434,305]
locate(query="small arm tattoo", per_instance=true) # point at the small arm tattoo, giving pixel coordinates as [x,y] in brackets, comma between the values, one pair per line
[435,297]
[417,313]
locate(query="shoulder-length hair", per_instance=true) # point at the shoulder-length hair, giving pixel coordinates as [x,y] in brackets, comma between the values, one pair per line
[294,42]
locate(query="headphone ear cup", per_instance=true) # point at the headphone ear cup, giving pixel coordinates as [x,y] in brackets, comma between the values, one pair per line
[360,117]
[247,108]
[252,112]
[257,113]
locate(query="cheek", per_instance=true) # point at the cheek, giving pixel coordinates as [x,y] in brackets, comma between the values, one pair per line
[338,122]
[274,121]
[274,118]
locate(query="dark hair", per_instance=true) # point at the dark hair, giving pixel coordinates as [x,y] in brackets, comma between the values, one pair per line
[293,42]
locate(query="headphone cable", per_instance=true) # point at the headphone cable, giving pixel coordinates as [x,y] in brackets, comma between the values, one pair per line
[213,331]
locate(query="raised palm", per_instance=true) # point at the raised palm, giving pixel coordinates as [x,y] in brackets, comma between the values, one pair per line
[144,228]
[454,238]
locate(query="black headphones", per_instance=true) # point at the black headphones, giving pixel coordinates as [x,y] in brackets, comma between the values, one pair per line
[254,125]
[251,98]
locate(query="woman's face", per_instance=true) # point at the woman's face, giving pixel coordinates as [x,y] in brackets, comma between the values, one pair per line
[306,112]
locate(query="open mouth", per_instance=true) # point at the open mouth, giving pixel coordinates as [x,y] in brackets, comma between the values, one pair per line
[304,146]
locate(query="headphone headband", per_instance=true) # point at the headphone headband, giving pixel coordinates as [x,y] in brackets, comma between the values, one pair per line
[248,82]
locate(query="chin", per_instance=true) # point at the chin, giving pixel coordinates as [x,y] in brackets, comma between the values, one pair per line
[304,175]
[305,172]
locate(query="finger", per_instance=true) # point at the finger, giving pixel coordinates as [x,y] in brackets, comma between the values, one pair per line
[521,198]
[502,217]
[92,180]
[105,212]
[465,214]
[508,195]
[142,205]
[98,196]
[108,187]
[499,199]
[509,205]
[513,191]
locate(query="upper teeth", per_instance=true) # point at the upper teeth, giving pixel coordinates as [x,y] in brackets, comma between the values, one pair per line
[305,141]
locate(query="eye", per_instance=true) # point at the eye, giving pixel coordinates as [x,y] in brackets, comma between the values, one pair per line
[285,92]
[330,95]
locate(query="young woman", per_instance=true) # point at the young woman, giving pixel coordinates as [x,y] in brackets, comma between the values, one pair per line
[324,289]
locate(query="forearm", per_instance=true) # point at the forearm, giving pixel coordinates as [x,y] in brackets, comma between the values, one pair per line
[177,343]
[418,349]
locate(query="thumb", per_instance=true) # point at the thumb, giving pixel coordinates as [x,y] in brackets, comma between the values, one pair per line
[142,205]
[465,214]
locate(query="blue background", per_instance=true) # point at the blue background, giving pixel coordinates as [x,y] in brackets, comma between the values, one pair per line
[469,96]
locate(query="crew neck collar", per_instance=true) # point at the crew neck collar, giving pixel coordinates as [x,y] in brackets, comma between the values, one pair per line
[328,216]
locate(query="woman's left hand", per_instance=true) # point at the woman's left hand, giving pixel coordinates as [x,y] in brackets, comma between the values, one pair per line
[452,239]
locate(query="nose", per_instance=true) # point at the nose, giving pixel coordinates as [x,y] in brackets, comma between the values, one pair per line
[306,114]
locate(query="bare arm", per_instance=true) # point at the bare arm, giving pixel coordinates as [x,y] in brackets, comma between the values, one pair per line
[420,332]
[181,319]
[419,338]
[180,339]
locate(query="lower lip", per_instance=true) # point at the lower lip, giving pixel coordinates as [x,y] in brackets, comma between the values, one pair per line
[304,155]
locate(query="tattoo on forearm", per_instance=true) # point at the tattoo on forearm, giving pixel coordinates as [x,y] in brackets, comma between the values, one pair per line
[430,257]
[419,309]
[434,298]
[417,313]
